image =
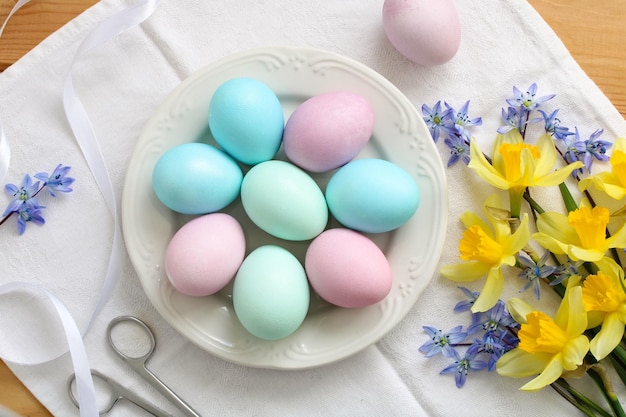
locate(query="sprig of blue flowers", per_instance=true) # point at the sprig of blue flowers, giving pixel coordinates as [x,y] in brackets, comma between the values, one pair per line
[489,335]
[25,203]
[519,114]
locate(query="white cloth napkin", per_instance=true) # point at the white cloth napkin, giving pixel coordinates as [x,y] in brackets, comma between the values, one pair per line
[504,43]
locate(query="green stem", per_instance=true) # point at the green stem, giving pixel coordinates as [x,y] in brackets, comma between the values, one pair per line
[568,199]
[515,198]
[601,378]
[578,400]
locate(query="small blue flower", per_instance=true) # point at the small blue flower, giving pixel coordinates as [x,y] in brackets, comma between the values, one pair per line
[494,344]
[25,192]
[513,120]
[466,305]
[442,342]
[496,318]
[595,148]
[534,272]
[459,149]
[435,119]
[566,270]
[57,181]
[552,125]
[458,122]
[29,211]
[527,101]
[462,365]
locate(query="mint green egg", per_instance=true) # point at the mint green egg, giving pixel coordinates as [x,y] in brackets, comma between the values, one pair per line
[271,293]
[284,201]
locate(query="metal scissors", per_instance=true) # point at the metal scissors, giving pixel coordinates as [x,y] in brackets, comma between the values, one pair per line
[138,363]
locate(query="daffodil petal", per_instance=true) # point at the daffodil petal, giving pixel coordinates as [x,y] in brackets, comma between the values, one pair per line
[608,265]
[556,225]
[517,363]
[608,337]
[519,309]
[470,219]
[519,239]
[550,243]
[558,176]
[618,240]
[491,291]
[465,272]
[484,169]
[551,373]
[571,314]
[528,165]
[590,255]
[548,155]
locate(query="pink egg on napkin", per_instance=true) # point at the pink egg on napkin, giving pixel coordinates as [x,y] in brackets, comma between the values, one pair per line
[347,269]
[425,31]
[205,254]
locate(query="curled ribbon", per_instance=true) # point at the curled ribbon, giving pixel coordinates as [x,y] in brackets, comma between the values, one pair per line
[87,140]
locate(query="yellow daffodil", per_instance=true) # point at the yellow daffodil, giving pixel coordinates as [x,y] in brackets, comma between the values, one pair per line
[581,235]
[517,165]
[613,182]
[486,249]
[548,347]
[605,303]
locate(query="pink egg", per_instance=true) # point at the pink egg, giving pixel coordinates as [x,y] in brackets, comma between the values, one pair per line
[347,269]
[205,254]
[328,130]
[426,32]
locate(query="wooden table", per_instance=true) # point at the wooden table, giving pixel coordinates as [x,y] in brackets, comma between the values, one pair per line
[593,31]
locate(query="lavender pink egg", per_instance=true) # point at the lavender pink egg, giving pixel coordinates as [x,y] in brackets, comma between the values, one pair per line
[328,130]
[347,269]
[426,32]
[205,254]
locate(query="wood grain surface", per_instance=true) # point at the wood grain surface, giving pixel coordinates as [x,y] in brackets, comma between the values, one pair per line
[593,31]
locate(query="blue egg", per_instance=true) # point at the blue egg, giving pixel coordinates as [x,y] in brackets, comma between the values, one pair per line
[196,178]
[246,119]
[372,195]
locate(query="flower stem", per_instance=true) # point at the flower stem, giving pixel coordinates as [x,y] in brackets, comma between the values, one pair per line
[600,376]
[5,218]
[578,400]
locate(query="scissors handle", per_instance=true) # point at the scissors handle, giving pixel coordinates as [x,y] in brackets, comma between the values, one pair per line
[140,367]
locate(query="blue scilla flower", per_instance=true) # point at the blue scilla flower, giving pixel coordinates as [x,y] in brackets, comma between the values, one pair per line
[512,118]
[552,125]
[435,119]
[462,365]
[534,272]
[595,148]
[466,305]
[442,342]
[528,101]
[459,149]
[57,181]
[25,192]
[29,211]
[496,318]
[494,344]
[457,122]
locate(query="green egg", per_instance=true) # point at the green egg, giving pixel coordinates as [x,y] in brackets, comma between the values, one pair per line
[284,201]
[271,293]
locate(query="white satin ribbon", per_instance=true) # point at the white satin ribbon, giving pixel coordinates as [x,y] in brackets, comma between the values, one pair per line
[87,140]
[19,4]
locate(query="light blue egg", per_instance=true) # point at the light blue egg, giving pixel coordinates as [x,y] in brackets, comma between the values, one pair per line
[372,195]
[271,293]
[196,178]
[246,120]
[284,201]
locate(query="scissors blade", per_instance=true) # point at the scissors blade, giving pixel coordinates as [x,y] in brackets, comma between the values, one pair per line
[123,392]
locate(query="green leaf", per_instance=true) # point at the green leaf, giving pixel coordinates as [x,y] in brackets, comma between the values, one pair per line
[570,204]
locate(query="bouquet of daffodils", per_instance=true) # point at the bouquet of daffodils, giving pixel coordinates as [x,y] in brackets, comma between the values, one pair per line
[577,253]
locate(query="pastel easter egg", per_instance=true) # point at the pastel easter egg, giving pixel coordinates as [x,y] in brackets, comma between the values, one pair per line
[424,31]
[347,269]
[372,195]
[196,178]
[328,130]
[246,119]
[271,293]
[204,254]
[284,201]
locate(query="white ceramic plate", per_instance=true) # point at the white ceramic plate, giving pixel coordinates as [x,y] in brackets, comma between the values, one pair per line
[328,333]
